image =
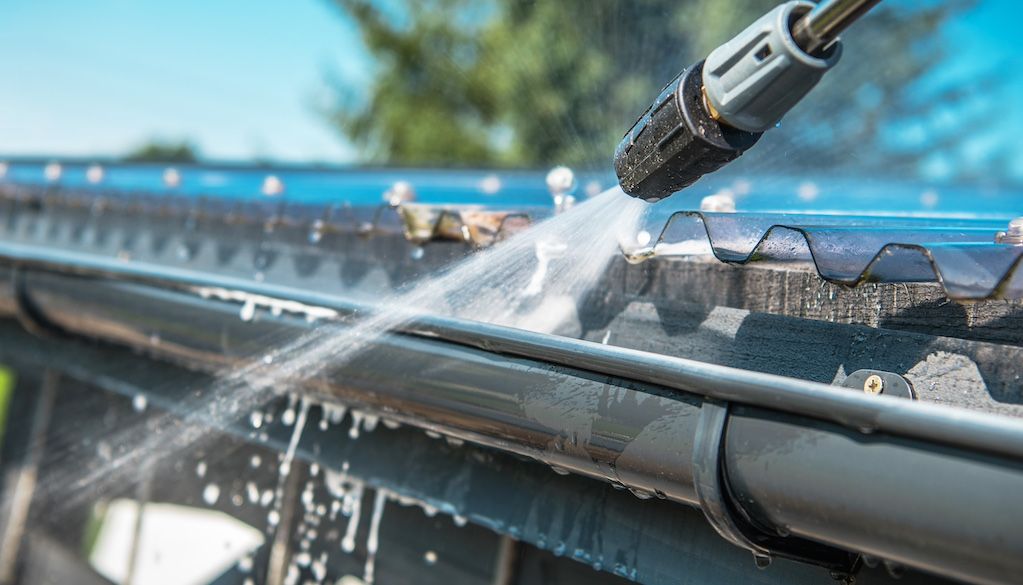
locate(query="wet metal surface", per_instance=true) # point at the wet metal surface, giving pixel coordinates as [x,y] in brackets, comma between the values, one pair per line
[849,233]
[628,417]
[960,254]
[548,398]
[649,541]
[158,263]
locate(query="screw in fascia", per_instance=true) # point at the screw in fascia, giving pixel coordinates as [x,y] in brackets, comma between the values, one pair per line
[873,384]
[1013,235]
[561,184]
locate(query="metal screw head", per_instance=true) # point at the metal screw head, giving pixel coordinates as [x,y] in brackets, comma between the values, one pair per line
[721,202]
[52,172]
[1016,227]
[399,193]
[561,181]
[1014,233]
[873,384]
[171,177]
[272,186]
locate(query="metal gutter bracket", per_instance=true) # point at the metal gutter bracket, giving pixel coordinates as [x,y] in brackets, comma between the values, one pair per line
[874,382]
[727,517]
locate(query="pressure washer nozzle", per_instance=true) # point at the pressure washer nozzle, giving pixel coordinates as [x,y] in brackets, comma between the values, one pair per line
[718,108]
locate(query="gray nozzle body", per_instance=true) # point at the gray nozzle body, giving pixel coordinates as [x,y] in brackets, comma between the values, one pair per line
[758,76]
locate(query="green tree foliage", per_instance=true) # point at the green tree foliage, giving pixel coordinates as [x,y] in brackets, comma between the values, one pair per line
[164,152]
[539,82]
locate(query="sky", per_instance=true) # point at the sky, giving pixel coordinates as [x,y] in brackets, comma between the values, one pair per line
[248,79]
[987,38]
[242,79]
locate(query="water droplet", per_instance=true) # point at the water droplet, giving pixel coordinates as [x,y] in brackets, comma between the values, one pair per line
[272,186]
[171,177]
[256,419]
[288,417]
[248,311]
[316,232]
[353,505]
[369,422]
[373,540]
[319,569]
[94,174]
[245,564]
[353,431]
[252,491]
[272,518]
[430,558]
[52,172]
[200,469]
[139,402]
[293,575]
[211,493]
[417,253]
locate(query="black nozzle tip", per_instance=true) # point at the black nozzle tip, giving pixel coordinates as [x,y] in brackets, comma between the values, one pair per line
[676,141]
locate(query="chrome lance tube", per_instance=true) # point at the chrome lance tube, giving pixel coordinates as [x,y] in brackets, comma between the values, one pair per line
[822,25]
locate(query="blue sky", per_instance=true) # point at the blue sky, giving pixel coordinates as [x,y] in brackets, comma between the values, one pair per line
[242,79]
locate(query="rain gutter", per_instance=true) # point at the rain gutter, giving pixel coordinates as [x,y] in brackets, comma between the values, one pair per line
[778,466]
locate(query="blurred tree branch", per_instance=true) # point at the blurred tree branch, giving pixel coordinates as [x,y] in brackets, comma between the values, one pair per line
[536,83]
[164,152]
